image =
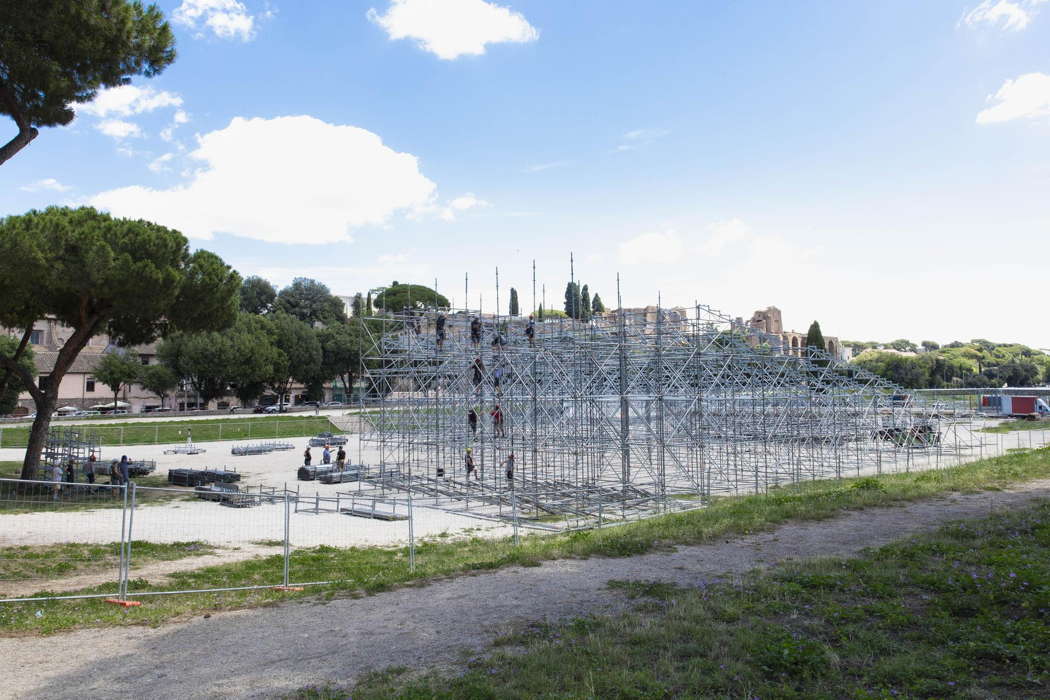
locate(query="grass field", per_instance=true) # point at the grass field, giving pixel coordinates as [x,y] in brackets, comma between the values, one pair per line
[363,570]
[203,430]
[1018,424]
[959,613]
[53,561]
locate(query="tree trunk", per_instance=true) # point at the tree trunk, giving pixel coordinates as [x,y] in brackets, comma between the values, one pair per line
[38,434]
[20,141]
[46,400]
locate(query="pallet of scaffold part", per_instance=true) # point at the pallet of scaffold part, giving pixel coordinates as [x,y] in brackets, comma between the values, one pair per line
[310,472]
[362,512]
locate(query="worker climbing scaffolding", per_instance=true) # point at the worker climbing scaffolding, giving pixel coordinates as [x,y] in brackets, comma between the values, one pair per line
[439,329]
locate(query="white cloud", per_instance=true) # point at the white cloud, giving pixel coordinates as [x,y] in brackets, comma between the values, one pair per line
[288,180]
[119,129]
[226,19]
[462,203]
[540,167]
[47,184]
[129,100]
[652,249]
[637,138]
[1009,15]
[453,28]
[160,164]
[180,117]
[723,234]
[1024,97]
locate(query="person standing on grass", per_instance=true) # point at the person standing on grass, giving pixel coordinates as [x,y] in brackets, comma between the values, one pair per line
[125,474]
[71,472]
[326,456]
[340,459]
[189,436]
[307,457]
[114,474]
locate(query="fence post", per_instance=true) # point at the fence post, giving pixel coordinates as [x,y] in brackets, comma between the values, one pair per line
[156,434]
[123,541]
[220,430]
[287,534]
[411,535]
[131,527]
[514,509]
[249,428]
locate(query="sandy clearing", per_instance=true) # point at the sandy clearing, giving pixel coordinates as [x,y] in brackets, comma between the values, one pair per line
[271,651]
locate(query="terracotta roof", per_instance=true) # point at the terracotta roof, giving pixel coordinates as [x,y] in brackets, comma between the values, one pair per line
[85,363]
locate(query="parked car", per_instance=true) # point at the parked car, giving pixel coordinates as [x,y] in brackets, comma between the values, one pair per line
[274,409]
[333,404]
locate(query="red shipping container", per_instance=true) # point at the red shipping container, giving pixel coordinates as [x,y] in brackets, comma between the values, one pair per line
[1023,405]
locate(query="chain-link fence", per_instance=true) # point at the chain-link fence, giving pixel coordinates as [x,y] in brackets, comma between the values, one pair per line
[210,532]
[160,431]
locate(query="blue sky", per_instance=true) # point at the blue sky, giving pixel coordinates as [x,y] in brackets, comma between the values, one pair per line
[882,167]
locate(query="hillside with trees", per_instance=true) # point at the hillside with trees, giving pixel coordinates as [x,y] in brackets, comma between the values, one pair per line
[978,363]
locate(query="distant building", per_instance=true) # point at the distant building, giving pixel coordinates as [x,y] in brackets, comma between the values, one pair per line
[769,320]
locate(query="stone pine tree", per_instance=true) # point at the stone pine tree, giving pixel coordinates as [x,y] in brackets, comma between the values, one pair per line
[133,280]
[118,370]
[585,304]
[311,302]
[814,338]
[514,311]
[9,395]
[597,307]
[257,295]
[58,53]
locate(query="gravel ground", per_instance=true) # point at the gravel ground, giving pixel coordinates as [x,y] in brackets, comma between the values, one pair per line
[271,651]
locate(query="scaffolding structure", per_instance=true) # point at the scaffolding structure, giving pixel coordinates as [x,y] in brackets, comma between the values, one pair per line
[629,414]
[66,445]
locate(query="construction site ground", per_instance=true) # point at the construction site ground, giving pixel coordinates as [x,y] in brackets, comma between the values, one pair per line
[274,651]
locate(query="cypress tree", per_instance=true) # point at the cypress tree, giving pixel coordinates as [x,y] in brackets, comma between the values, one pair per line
[585,304]
[814,338]
[513,301]
[597,306]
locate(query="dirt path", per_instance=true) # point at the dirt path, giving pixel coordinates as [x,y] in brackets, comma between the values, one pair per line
[155,572]
[270,651]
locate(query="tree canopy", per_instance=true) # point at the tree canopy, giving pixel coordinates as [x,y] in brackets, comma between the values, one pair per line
[974,364]
[9,390]
[134,280]
[311,302]
[298,356]
[257,295]
[409,296]
[57,53]
[159,380]
[814,338]
[597,306]
[117,370]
